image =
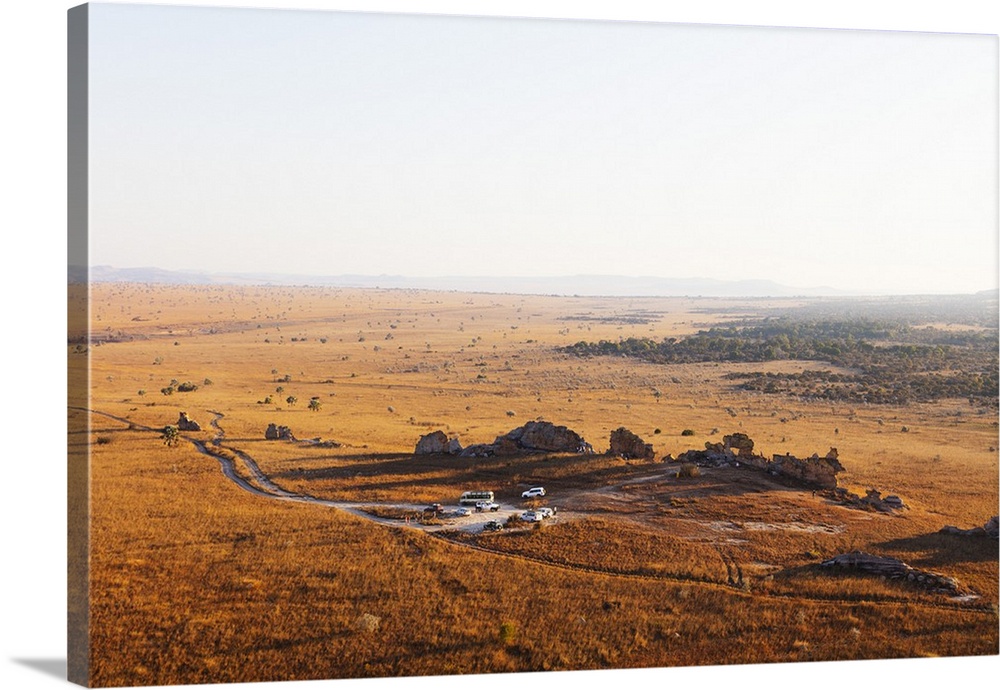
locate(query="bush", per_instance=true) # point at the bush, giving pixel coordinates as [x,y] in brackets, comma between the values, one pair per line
[687,432]
[688,471]
[508,631]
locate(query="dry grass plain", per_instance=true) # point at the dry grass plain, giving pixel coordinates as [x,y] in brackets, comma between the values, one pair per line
[196,580]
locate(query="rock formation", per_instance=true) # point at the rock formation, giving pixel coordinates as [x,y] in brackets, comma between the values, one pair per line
[814,471]
[893,569]
[437,442]
[872,500]
[533,437]
[627,445]
[185,423]
[990,529]
[278,433]
[545,436]
[741,443]
[737,449]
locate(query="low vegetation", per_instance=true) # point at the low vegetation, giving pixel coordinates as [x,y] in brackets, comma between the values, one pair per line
[890,362]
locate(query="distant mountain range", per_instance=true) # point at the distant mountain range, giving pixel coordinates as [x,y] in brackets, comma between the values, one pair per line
[586,285]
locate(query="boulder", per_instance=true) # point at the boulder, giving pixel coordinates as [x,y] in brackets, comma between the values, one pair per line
[628,445]
[813,471]
[543,436]
[739,444]
[893,569]
[990,529]
[432,443]
[185,423]
[278,433]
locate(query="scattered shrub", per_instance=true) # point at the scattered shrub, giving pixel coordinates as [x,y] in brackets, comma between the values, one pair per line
[688,471]
[687,432]
[508,632]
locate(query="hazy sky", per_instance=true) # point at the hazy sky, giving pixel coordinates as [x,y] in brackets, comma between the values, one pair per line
[331,143]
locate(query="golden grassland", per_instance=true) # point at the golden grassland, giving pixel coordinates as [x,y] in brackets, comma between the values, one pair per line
[195,580]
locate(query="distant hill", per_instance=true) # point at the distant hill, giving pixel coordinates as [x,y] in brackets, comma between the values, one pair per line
[586,285]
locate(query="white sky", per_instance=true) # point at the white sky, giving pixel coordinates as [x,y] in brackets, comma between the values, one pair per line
[329,143]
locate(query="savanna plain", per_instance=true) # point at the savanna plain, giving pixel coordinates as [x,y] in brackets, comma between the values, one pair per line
[219,555]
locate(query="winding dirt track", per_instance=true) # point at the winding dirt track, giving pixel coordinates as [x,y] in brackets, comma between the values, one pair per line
[260,484]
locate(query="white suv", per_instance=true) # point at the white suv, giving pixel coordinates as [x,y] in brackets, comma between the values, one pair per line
[533,493]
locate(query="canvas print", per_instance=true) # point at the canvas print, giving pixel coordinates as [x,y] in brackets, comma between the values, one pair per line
[416,345]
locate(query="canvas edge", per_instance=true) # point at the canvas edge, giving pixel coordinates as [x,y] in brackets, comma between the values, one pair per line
[78,366]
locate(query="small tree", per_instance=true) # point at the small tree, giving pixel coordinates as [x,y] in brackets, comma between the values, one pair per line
[171,435]
[315,404]
[291,400]
[508,632]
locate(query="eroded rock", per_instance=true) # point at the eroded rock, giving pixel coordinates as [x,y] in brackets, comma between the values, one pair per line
[545,436]
[737,449]
[990,529]
[628,445]
[894,569]
[278,433]
[434,442]
[185,423]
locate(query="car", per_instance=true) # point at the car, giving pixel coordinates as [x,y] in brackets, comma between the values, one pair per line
[434,508]
[546,512]
[462,511]
[487,505]
[533,493]
[493,526]
[532,516]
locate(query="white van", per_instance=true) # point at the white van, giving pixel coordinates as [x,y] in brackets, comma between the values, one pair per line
[471,498]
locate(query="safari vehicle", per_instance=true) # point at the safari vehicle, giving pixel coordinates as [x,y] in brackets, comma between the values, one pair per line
[493,526]
[546,512]
[472,498]
[532,516]
[482,506]
[434,508]
[533,493]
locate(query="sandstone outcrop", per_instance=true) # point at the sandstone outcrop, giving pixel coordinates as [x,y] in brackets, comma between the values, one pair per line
[185,423]
[990,529]
[893,569]
[546,436]
[437,442]
[278,433]
[737,449]
[872,500]
[533,437]
[628,445]
[814,471]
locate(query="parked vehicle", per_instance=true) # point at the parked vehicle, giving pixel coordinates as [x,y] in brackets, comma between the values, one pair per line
[462,511]
[434,508]
[492,526]
[533,493]
[532,516]
[482,506]
[546,512]
[470,498]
